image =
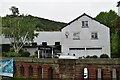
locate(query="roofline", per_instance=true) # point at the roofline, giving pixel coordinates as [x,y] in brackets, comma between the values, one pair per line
[84,14]
[118,3]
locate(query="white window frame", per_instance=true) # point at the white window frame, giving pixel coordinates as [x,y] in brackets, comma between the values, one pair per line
[76,35]
[94,35]
[84,24]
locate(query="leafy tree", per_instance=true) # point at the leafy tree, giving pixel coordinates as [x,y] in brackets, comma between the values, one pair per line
[110,19]
[14,10]
[118,35]
[19,29]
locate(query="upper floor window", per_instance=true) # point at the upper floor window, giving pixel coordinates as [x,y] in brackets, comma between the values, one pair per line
[44,43]
[84,24]
[94,35]
[76,36]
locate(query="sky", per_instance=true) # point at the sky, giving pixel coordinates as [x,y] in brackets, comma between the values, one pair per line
[58,10]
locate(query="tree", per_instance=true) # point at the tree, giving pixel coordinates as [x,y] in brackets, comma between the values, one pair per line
[19,29]
[14,10]
[118,35]
[110,19]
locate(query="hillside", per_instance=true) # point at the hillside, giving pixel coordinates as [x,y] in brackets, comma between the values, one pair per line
[49,25]
[43,24]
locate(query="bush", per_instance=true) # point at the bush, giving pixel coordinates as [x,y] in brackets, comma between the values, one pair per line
[4,54]
[94,56]
[88,56]
[25,54]
[104,56]
[11,54]
[11,50]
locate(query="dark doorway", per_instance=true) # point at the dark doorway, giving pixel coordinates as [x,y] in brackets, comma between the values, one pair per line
[50,73]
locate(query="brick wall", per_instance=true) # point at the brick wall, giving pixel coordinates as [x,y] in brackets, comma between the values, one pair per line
[55,68]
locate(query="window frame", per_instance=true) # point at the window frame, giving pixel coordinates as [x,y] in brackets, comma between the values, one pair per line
[85,24]
[76,35]
[94,36]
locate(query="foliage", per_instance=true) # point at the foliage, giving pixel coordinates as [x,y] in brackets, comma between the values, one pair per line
[108,18]
[25,54]
[94,56]
[14,10]
[49,25]
[111,20]
[4,54]
[12,50]
[104,56]
[19,29]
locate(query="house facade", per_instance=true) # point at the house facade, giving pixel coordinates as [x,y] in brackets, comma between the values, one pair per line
[118,5]
[84,36]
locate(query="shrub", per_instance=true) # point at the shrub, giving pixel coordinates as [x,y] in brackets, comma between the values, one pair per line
[94,56]
[87,56]
[11,54]
[25,54]
[104,56]
[4,54]
[11,50]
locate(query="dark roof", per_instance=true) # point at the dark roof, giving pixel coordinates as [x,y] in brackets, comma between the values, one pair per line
[118,4]
[84,14]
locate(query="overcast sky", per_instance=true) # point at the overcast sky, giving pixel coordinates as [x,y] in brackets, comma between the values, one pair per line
[58,10]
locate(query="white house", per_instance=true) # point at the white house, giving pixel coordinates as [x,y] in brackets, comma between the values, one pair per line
[81,37]
[118,5]
[85,36]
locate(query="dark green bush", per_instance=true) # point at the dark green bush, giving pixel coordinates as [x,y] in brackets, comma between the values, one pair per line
[4,54]
[25,54]
[104,56]
[12,50]
[94,56]
[87,56]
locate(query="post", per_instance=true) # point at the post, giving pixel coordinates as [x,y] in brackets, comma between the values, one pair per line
[52,52]
[38,53]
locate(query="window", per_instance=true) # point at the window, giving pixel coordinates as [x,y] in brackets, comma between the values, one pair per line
[57,43]
[84,24]
[94,35]
[76,36]
[44,43]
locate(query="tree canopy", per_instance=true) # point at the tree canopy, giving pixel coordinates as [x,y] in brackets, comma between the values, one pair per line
[19,29]
[111,20]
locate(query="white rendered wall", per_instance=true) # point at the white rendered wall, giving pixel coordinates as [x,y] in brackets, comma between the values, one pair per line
[119,10]
[31,50]
[85,36]
[49,37]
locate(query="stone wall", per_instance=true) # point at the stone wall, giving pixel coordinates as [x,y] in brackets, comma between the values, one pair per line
[68,69]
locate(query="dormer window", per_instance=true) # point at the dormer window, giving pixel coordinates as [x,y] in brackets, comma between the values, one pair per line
[84,24]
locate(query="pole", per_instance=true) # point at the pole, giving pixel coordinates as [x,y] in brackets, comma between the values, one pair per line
[38,53]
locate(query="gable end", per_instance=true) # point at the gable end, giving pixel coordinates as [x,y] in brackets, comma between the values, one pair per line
[80,17]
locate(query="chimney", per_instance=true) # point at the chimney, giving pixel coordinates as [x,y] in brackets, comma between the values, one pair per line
[118,5]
